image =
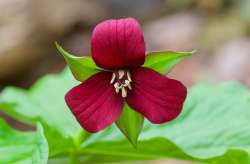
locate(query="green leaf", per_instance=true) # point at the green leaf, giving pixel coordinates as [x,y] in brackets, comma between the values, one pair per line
[81,67]
[22,147]
[118,151]
[214,127]
[163,61]
[130,123]
[44,103]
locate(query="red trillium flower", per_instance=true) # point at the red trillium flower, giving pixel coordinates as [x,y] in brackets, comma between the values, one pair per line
[118,47]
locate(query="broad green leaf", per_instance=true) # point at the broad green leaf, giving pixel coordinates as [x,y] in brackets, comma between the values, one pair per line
[130,123]
[44,102]
[121,151]
[18,147]
[81,67]
[214,127]
[163,61]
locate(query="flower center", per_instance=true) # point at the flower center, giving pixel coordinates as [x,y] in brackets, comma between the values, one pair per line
[121,80]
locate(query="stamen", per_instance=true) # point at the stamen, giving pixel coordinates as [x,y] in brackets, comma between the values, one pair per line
[112,79]
[121,74]
[129,86]
[117,90]
[124,92]
[129,76]
[122,81]
[117,87]
[127,82]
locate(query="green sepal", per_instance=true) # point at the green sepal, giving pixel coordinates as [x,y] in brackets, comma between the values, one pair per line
[130,124]
[164,61]
[81,67]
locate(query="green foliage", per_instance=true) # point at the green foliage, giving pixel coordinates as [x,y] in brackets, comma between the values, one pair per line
[22,147]
[214,123]
[162,62]
[213,127]
[44,103]
[81,67]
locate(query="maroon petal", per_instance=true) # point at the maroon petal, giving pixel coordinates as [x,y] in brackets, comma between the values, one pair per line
[157,97]
[117,44]
[95,103]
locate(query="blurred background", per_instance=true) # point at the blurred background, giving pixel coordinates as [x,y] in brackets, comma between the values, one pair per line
[218,29]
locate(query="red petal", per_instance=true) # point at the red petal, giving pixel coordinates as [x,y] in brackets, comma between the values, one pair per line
[157,97]
[118,44]
[95,103]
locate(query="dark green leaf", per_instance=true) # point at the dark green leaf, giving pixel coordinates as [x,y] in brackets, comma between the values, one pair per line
[163,61]
[130,123]
[81,67]
[22,147]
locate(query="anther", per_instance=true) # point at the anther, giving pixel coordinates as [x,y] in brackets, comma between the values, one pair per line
[121,80]
[127,84]
[112,79]
[124,92]
[117,87]
[129,76]
[121,74]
